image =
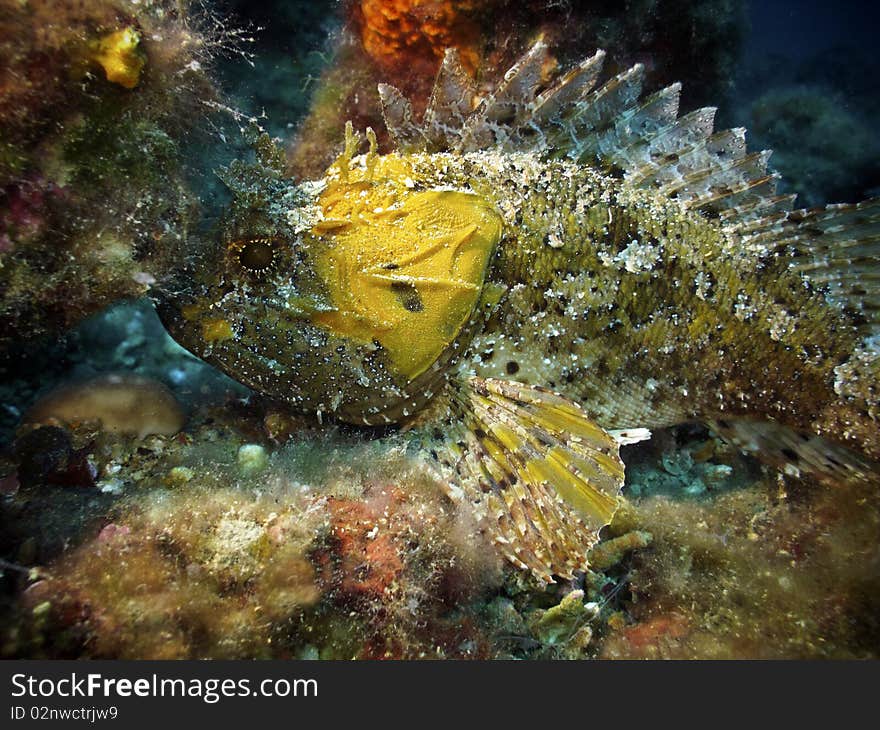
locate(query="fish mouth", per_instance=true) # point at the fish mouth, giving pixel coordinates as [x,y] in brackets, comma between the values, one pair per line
[170,296]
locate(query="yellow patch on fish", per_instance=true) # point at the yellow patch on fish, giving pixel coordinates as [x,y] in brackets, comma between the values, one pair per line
[401,267]
[216,330]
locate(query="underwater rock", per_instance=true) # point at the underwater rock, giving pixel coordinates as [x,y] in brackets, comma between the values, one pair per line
[120,402]
[342,549]
[220,553]
[337,547]
[230,572]
[48,455]
[363,558]
[755,572]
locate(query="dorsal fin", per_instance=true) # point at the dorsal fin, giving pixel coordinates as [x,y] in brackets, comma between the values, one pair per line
[510,103]
[451,102]
[622,143]
[612,126]
[836,247]
[398,114]
[645,141]
[570,88]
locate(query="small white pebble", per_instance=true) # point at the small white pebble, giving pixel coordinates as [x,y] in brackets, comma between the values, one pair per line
[252,458]
[179,475]
[111,486]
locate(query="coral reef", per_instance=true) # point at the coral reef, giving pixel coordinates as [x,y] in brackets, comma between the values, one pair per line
[249,534]
[211,560]
[566,624]
[329,547]
[220,542]
[752,575]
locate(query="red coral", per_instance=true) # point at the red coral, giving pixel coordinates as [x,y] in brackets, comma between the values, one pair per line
[651,639]
[363,560]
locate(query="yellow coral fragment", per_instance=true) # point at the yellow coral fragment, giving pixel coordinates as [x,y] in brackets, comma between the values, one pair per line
[216,330]
[118,53]
[401,267]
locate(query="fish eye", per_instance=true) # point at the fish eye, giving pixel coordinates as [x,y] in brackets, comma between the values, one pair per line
[255,255]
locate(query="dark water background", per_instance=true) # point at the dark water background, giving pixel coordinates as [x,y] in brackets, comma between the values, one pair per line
[797,30]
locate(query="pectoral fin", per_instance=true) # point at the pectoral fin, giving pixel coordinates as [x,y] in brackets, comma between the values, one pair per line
[542,476]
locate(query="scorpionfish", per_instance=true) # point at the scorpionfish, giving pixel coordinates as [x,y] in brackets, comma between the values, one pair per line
[537,274]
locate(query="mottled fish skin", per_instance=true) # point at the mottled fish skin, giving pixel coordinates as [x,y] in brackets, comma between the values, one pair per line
[649,314]
[646,313]
[534,267]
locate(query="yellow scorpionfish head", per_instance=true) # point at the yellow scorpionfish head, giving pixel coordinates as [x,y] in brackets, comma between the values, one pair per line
[348,297]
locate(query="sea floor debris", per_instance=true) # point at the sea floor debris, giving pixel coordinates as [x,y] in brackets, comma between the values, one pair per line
[224,542]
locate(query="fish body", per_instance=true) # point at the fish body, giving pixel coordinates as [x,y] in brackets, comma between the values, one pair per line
[529,271]
[650,314]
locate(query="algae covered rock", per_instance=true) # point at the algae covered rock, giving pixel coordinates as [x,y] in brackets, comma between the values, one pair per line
[97,103]
[120,402]
[566,623]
